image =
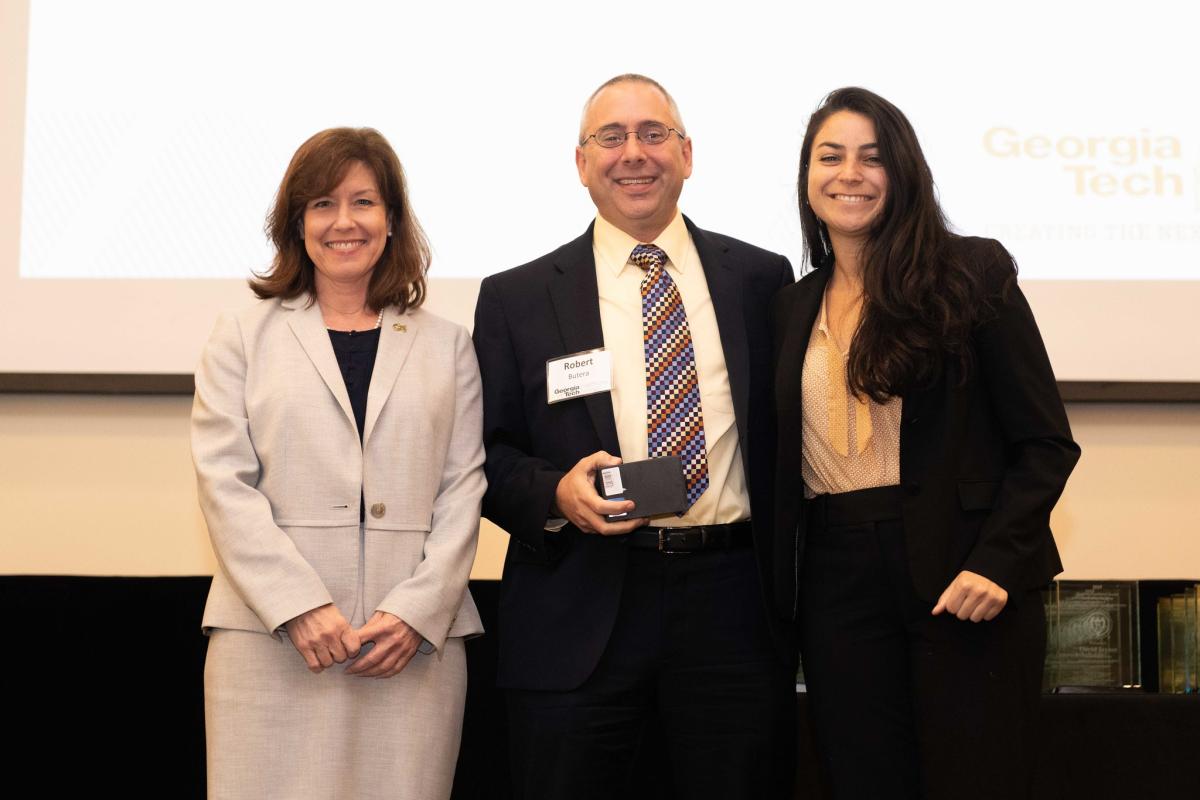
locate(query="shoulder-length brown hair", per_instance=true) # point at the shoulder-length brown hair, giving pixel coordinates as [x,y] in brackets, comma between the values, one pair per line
[316,170]
[922,298]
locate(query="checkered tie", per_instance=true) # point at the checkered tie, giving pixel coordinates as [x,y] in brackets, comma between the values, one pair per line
[674,422]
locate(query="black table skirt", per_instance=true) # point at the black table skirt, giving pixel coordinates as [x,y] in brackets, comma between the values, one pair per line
[103,689]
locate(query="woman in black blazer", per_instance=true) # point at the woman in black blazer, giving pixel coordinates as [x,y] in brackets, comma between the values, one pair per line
[922,446]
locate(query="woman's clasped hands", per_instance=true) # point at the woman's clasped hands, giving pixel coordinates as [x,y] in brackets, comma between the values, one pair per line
[324,637]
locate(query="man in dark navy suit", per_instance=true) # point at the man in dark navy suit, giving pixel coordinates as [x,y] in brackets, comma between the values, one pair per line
[638,638]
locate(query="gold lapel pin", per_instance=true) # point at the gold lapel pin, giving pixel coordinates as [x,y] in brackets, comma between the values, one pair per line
[396,326]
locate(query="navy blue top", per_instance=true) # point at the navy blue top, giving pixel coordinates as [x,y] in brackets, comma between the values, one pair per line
[355,351]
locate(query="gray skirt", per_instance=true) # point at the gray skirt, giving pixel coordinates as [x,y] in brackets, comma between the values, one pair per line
[276,730]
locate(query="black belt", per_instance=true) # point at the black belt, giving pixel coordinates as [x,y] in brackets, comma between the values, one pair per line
[693,539]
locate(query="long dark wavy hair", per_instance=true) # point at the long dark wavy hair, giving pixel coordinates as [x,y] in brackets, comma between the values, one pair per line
[315,170]
[921,298]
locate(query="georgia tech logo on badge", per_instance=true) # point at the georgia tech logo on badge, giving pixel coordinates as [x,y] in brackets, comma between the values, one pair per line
[1141,164]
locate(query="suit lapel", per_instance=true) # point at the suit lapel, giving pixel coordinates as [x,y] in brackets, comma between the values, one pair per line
[801,319]
[395,342]
[725,288]
[309,328]
[793,344]
[576,300]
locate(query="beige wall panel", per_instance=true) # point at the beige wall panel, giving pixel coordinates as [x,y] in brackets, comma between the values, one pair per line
[99,485]
[104,486]
[1132,509]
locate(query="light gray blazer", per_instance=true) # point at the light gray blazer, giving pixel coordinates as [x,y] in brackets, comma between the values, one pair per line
[279,470]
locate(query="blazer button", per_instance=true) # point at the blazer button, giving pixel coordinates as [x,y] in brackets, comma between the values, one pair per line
[378,510]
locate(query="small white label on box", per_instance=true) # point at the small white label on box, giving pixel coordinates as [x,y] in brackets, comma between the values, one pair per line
[611,478]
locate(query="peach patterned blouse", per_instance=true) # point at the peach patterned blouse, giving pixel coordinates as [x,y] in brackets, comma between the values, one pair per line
[850,443]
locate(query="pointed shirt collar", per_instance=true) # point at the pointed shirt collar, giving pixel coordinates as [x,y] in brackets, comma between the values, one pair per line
[613,246]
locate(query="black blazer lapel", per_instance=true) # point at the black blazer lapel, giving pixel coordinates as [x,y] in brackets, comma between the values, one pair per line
[576,301]
[800,314]
[793,329]
[725,289]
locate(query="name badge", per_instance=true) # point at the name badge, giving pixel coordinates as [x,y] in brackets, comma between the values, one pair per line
[578,375]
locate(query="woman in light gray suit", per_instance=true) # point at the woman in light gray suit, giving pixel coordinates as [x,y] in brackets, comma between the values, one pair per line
[337,443]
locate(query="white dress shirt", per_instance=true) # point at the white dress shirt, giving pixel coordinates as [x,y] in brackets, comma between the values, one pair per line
[619,282]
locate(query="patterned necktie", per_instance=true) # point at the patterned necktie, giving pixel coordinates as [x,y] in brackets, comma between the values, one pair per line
[674,422]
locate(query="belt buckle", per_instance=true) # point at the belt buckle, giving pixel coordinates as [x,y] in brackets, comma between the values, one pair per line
[664,543]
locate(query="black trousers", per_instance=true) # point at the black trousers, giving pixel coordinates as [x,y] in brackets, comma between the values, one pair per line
[905,704]
[689,679]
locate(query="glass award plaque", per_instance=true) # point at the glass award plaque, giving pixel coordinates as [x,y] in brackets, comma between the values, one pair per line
[1179,643]
[1195,623]
[1170,677]
[1091,635]
[1186,616]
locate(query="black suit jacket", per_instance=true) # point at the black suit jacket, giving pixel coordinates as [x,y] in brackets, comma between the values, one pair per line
[982,460]
[560,591]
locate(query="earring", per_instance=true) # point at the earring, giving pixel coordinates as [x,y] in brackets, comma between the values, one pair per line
[389,233]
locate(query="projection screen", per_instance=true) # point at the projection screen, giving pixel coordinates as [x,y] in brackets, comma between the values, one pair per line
[145,141]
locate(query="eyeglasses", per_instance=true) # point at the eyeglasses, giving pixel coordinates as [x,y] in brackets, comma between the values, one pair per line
[648,133]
